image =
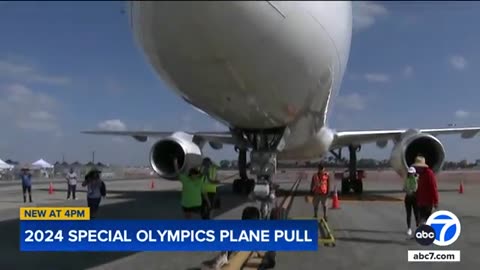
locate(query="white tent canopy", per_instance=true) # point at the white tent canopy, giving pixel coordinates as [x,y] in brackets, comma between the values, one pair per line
[4,165]
[42,164]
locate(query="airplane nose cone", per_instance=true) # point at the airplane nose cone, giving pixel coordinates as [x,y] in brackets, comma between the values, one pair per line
[252,64]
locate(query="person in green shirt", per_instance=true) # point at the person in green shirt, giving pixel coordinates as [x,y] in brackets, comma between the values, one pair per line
[192,191]
[410,188]
[210,182]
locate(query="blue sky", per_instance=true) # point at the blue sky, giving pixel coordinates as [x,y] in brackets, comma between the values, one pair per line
[71,66]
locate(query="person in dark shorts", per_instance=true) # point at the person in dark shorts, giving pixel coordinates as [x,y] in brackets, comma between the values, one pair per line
[26,178]
[192,191]
[94,191]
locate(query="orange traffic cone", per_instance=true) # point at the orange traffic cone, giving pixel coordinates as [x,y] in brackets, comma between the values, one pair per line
[152,184]
[50,188]
[335,201]
[460,190]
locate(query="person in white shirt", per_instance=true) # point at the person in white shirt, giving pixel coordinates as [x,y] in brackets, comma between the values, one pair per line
[72,184]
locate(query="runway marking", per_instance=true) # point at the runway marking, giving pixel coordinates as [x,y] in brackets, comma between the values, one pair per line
[249,260]
[325,237]
[369,198]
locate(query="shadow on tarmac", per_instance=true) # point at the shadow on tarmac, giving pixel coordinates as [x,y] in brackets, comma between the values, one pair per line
[368,195]
[372,241]
[147,205]
[369,231]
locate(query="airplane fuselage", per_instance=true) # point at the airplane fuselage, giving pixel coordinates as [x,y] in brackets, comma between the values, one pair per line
[252,64]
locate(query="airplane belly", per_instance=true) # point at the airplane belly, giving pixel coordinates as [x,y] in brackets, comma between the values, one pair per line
[248,64]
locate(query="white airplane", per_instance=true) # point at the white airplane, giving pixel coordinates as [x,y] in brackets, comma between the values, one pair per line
[270,71]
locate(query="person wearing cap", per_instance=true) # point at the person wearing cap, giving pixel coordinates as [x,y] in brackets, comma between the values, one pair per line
[210,182]
[192,191]
[410,188]
[26,178]
[427,192]
[94,190]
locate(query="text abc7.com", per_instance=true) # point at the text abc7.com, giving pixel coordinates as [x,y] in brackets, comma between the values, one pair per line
[441,229]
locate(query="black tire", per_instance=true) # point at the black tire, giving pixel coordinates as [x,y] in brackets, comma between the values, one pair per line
[250,212]
[345,186]
[359,187]
[237,186]
[278,213]
[269,261]
[249,186]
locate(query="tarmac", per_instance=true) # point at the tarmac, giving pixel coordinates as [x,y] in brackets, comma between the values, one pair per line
[370,232]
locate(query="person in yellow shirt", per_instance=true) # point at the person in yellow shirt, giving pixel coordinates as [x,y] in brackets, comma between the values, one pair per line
[210,182]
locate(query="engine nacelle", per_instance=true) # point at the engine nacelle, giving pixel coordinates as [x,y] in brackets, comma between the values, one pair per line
[180,146]
[412,144]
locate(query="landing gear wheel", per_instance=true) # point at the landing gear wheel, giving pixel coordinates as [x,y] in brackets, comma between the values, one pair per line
[269,261]
[278,213]
[345,186]
[237,186]
[358,187]
[249,186]
[250,212]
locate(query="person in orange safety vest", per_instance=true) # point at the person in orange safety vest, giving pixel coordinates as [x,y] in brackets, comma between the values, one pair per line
[320,188]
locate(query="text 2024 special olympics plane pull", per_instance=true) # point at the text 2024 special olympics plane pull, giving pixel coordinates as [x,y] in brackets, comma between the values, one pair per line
[269,70]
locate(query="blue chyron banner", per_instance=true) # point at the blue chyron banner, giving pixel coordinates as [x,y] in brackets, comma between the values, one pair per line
[169,235]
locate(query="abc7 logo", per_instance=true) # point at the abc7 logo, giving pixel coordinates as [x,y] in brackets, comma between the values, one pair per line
[425,235]
[442,229]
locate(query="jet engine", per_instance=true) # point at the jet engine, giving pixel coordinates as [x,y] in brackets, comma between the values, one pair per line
[181,146]
[412,144]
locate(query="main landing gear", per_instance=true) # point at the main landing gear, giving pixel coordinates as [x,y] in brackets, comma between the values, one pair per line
[244,185]
[353,180]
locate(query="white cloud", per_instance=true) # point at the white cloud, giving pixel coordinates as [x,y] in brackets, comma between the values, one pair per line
[28,73]
[112,125]
[41,115]
[461,114]
[408,71]
[353,102]
[377,77]
[28,109]
[458,62]
[365,14]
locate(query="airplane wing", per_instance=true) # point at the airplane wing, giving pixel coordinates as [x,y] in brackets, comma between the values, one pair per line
[342,138]
[381,137]
[222,137]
